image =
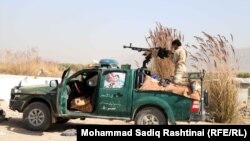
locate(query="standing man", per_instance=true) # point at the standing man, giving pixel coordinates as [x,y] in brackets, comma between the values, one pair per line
[179,59]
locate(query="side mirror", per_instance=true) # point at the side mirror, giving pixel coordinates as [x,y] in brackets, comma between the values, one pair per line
[91,83]
[53,83]
[206,99]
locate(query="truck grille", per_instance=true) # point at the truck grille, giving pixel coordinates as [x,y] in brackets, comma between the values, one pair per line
[12,95]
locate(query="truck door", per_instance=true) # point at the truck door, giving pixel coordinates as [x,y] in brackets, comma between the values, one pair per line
[114,93]
[61,98]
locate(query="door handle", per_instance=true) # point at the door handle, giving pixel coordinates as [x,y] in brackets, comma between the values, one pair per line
[118,95]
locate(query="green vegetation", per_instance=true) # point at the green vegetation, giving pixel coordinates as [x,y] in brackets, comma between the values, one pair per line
[243,75]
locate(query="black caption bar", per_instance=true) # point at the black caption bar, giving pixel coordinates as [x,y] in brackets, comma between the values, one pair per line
[209,132]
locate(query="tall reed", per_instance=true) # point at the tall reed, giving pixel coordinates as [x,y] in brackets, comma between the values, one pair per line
[216,55]
[162,37]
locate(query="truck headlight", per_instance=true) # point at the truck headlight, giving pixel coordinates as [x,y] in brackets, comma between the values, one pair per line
[15,90]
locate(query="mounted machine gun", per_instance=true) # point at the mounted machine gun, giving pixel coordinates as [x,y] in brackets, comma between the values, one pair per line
[161,52]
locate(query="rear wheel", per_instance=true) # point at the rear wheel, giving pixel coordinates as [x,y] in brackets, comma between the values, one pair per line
[150,116]
[37,117]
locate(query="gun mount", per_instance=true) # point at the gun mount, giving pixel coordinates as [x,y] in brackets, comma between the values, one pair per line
[161,52]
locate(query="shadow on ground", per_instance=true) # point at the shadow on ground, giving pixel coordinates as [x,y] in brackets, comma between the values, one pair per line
[16,125]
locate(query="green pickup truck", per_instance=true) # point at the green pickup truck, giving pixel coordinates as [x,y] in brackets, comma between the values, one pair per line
[44,105]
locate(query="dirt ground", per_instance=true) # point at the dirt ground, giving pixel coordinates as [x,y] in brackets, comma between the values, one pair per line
[12,129]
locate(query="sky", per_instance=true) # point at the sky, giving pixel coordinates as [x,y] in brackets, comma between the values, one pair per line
[79,31]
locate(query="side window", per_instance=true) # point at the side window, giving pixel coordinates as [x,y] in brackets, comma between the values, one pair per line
[93,80]
[114,79]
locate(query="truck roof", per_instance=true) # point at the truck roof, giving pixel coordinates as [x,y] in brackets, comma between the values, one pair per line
[98,67]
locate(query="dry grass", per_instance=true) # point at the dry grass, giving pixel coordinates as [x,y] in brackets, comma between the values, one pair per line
[26,63]
[163,37]
[217,56]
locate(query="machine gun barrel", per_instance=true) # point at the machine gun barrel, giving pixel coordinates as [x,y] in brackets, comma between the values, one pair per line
[139,49]
[161,52]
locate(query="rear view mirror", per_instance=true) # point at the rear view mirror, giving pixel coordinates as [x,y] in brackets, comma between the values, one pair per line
[53,83]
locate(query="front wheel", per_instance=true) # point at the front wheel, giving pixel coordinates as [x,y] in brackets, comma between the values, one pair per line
[150,116]
[37,117]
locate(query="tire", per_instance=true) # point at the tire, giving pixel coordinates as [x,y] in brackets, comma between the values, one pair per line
[37,117]
[2,115]
[150,116]
[60,120]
